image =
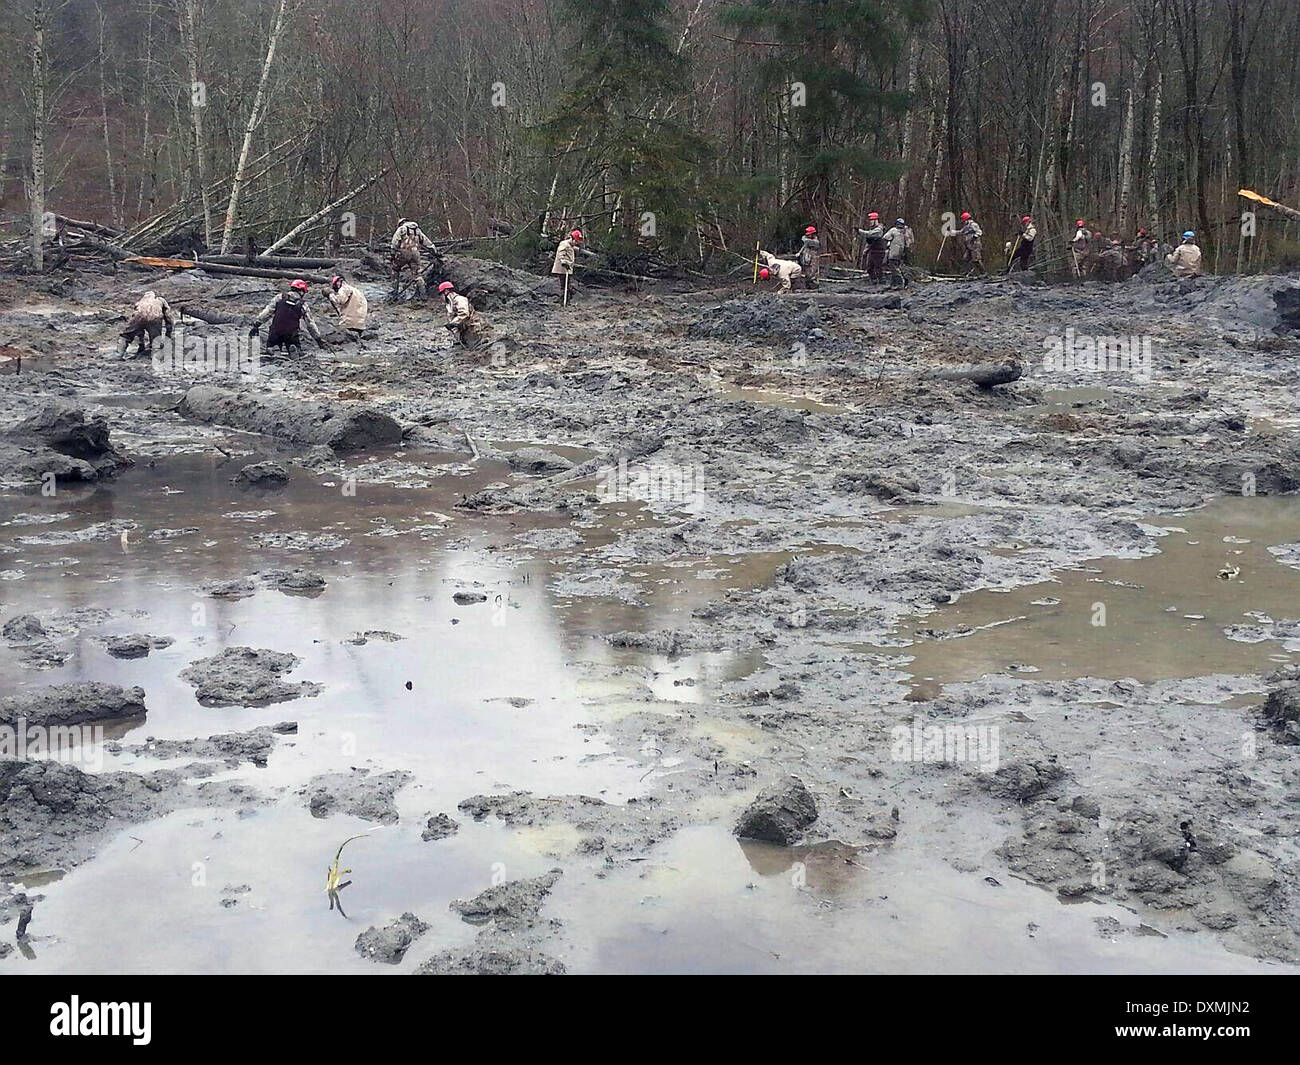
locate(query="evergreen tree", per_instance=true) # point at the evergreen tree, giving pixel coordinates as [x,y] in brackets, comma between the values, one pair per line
[623,155]
[824,72]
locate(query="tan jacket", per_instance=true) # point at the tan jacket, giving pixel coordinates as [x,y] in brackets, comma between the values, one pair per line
[565,255]
[1185,261]
[152,308]
[786,270]
[459,310]
[409,235]
[351,306]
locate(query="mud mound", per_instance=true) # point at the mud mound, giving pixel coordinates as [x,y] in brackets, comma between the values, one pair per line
[341,426]
[767,316]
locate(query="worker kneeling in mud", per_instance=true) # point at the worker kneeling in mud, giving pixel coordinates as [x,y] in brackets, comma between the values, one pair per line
[288,313]
[350,304]
[1185,260]
[462,319]
[786,270]
[150,317]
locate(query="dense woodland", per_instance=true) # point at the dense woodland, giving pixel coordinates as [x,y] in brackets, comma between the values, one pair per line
[686,129]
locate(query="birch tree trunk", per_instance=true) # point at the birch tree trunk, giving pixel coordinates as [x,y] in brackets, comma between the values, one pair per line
[1126,162]
[189,34]
[36,186]
[254,120]
[1153,205]
[114,213]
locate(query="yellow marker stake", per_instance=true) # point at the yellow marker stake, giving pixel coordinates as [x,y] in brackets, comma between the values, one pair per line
[757,246]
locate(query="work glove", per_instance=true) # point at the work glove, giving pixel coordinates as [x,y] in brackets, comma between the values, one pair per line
[254,331]
[168,331]
[450,325]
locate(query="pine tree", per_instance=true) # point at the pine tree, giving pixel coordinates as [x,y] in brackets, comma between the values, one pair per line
[627,159]
[822,71]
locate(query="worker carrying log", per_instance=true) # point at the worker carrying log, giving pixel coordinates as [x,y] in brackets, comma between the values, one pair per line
[288,312]
[898,240]
[809,257]
[350,304]
[462,319]
[1185,260]
[787,271]
[151,316]
[407,245]
[566,254]
[1080,248]
[1022,251]
[971,239]
[873,242]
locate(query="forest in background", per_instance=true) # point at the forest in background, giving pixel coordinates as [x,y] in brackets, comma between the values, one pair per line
[684,129]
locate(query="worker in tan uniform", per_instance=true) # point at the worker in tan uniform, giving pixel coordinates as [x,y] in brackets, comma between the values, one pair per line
[408,242]
[787,271]
[562,267]
[350,304]
[151,316]
[1185,260]
[462,319]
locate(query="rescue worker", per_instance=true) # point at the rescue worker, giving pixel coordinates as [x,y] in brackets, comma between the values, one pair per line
[350,305]
[407,243]
[1141,251]
[1080,248]
[1023,252]
[873,238]
[151,316]
[288,312]
[971,237]
[562,267]
[1185,260]
[462,319]
[786,270]
[896,247]
[809,257]
[1111,264]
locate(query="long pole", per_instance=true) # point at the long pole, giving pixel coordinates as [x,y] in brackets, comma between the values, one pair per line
[757,245]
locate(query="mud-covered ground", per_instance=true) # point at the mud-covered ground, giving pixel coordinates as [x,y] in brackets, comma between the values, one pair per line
[978,674]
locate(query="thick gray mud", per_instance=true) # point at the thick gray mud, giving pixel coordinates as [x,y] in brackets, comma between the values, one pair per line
[539,624]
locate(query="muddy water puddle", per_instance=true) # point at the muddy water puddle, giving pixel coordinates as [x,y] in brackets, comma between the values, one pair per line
[1214,599]
[486,695]
[702,902]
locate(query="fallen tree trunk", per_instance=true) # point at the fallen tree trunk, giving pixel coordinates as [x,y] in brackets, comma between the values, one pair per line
[985,375]
[202,314]
[271,262]
[145,263]
[307,223]
[87,227]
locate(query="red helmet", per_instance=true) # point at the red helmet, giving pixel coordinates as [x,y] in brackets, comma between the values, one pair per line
[576,234]
[445,286]
[299,284]
[336,280]
[1079,222]
[810,230]
[965,216]
[872,215]
[764,273]
[1026,220]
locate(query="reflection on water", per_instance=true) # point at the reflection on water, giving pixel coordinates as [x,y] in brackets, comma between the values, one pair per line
[1158,617]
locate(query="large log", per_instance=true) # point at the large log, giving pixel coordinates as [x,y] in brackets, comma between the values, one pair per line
[238,271]
[271,262]
[985,376]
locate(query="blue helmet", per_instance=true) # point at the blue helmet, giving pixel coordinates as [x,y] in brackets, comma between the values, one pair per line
[1188,235]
